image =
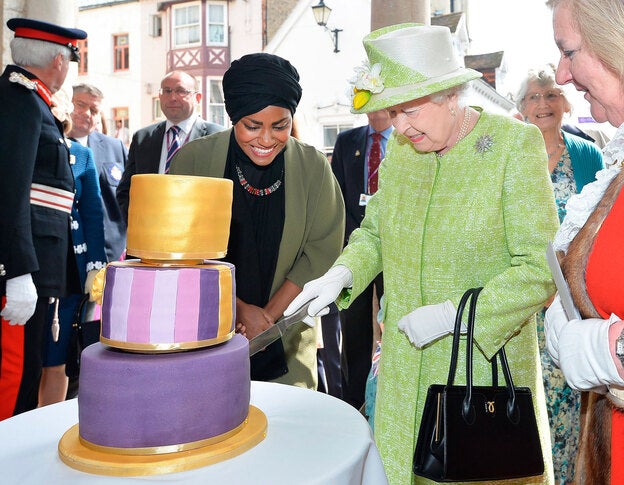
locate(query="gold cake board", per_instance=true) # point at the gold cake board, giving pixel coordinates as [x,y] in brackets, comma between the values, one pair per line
[74,454]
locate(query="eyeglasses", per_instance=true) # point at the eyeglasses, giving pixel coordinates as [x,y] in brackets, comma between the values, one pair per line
[549,97]
[412,112]
[181,92]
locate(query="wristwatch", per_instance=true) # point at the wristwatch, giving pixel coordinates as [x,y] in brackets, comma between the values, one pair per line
[619,347]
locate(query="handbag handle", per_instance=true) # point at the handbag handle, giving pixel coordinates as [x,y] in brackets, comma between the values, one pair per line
[79,309]
[468,412]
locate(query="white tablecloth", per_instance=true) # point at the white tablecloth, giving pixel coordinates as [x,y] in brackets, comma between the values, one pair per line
[312,438]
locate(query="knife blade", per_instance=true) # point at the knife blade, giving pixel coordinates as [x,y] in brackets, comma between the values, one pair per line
[276,331]
[562,285]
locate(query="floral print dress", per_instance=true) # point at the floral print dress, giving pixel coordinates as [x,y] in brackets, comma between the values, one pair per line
[563,402]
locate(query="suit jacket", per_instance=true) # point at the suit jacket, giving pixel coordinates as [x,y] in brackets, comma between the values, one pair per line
[347,163]
[33,238]
[145,151]
[110,156]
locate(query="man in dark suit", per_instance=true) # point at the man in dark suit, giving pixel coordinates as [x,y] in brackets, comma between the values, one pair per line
[37,190]
[358,182]
[153,146]
[110,157]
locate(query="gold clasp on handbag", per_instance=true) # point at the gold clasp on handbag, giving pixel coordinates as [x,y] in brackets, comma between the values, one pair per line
[489,407]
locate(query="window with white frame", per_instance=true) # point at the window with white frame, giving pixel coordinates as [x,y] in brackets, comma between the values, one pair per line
[330,133]
[186,25]
[157,113]
[216,22]
[216,104]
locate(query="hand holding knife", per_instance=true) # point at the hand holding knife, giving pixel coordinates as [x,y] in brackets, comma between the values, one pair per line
[278,329]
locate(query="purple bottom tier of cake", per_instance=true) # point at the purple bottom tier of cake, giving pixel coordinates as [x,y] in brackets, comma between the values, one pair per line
[130,400]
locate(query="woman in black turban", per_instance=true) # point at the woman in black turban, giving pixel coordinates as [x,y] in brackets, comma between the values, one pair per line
[287,212]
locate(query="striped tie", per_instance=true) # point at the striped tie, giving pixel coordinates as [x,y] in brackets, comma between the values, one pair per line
[173,145]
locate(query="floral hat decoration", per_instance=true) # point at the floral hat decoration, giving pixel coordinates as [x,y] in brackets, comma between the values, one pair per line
[406,62]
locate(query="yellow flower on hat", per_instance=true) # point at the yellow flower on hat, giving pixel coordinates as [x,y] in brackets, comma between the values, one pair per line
[360,98]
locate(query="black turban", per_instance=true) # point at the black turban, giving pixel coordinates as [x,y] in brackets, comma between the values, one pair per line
[256,81]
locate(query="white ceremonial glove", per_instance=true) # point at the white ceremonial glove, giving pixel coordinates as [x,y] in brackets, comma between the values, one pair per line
[322,291]
[554,320]
[21,300]
[312,321]
[88,287]
[585,356]
[429,323]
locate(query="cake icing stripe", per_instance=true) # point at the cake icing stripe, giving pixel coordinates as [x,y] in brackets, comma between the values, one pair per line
[163,306]
[155,450]
[187,308]
[122,298]
[208,311]
[226,314]
[140,309]
[109,280]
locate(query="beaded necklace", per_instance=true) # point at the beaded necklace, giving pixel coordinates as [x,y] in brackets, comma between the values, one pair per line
[254,191]
[551,154]
[463,131]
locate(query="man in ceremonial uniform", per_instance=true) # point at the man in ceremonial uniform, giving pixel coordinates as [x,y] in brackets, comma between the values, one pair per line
[37,190]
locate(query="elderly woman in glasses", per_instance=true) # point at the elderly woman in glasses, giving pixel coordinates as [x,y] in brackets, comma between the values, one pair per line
[572,160]
[437,227]
[572,163]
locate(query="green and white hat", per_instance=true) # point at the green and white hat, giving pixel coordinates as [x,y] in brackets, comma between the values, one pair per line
[406,62]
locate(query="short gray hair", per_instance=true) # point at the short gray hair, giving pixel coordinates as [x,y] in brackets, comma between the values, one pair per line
[460,90]
[89,89]
[35,52]
[543,77]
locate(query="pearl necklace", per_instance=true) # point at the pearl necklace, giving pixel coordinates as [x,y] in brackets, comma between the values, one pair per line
[463,131]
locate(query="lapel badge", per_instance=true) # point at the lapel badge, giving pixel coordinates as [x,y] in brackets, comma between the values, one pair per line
[357,153]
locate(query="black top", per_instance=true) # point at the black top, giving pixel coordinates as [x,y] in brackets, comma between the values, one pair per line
[255,236]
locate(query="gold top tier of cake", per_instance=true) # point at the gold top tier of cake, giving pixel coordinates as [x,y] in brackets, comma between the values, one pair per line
[175,218]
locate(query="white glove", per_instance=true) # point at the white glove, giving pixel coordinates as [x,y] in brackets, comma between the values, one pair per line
[429,323]
[554,321]
[322,291]
[585,356]
[89,283]
[21,300]
[312,321]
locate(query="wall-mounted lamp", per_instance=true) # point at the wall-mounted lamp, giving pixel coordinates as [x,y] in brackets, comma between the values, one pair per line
[321,14]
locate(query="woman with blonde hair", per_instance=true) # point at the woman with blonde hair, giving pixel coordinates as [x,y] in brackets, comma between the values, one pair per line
[572,163]
[590,349]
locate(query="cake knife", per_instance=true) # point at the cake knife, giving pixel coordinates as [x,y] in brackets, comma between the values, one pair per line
[562,285]
[276,331]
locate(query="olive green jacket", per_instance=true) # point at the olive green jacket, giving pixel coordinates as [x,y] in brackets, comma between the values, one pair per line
[313,228]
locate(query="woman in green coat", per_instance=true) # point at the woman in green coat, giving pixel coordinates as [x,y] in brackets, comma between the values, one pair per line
[464,201]
[287,212]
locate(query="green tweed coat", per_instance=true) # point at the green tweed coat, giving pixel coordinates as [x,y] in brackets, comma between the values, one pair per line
[481,215]
[313,229]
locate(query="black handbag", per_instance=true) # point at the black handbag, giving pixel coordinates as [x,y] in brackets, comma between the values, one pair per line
[85,331]
[477,433]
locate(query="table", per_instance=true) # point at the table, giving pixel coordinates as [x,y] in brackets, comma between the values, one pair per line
[312,438]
